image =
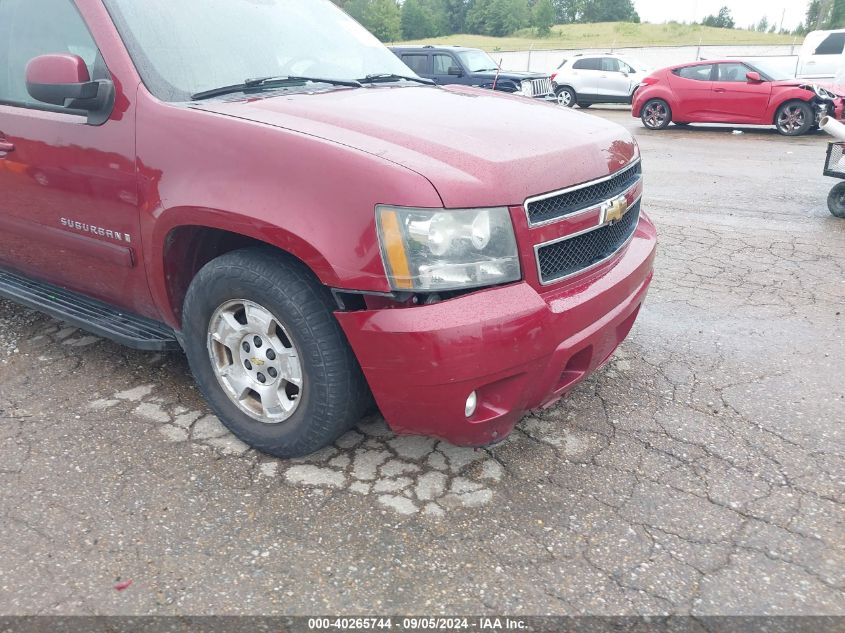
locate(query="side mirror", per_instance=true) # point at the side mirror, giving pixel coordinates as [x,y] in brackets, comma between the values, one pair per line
[63,80]
[455,71]
[754,77]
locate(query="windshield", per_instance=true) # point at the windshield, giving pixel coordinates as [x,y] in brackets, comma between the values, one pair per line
[775,71]
[183,47]
[477,61]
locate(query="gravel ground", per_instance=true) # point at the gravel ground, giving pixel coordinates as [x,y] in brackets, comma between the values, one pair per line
[701,472]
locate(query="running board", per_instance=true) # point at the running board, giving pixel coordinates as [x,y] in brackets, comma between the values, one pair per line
[88,314]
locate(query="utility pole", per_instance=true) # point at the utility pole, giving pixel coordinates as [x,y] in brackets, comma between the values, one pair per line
[783,19]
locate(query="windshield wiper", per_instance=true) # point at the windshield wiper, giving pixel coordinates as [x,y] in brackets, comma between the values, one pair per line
[386,77]
[272,82]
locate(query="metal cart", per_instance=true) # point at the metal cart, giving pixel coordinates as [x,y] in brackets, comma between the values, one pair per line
[835,168]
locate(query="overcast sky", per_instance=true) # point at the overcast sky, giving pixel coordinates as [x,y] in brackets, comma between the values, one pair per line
[745,12]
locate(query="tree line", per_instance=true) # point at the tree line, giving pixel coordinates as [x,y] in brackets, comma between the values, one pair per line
[391,20]
[825,14]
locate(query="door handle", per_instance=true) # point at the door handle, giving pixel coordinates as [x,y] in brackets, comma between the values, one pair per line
[719,90]
[6,147]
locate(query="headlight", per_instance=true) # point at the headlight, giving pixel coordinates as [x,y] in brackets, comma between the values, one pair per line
[821,93]
[432,250]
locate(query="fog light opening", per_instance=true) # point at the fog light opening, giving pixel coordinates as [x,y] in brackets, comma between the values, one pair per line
[471,405]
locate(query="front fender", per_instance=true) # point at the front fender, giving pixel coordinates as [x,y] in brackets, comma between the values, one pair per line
[789,94]
[308,196]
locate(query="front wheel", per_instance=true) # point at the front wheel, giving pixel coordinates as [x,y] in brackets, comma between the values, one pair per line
[269,355]
[656,114]
[794,118]
[565,96]
[836,200]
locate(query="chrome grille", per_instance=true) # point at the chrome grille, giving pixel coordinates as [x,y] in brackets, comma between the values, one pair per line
[558,205]
[541,87]
[569,256]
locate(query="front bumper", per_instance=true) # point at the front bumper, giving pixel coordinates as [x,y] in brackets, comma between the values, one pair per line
[518,348]
[836,109]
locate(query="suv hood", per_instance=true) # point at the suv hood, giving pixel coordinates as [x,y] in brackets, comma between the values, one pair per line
[798,83]
[477,147]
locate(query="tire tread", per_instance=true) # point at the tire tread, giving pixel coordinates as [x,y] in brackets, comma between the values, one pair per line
[337,380]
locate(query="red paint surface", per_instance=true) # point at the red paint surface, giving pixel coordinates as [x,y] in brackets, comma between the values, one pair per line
[511,344]
[304,173]
[57,69]
[124,585]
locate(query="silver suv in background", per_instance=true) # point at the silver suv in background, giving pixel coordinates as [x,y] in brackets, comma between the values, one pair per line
[600,78]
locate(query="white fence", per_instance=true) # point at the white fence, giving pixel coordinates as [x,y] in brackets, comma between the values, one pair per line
[784,57]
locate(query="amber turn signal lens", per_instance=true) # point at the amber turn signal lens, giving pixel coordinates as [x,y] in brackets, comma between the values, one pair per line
[394,249]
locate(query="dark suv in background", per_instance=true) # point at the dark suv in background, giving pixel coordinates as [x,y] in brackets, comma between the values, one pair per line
[471,67]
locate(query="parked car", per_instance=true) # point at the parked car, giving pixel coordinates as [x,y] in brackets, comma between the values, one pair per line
[589,79]
[329,232]
[822,55]
[736,92]
[447,65]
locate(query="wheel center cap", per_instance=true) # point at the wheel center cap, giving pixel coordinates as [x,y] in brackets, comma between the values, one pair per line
[259,360]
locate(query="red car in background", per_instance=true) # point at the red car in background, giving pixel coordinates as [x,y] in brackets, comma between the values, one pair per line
[735,92]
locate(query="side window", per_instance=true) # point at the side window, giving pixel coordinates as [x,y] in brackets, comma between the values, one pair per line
[734,73]
[417,63]
[610,65]
[442,63]
[625,68]
[591,63]
[833,44]
[29,29]
[698,73]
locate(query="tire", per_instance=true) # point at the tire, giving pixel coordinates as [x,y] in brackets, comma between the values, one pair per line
[794,118]
[836,200]
[253,312]
[565,96]
[656,114]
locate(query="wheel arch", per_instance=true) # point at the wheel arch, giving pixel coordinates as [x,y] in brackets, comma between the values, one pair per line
[185,246]
[644,95]
[787,99]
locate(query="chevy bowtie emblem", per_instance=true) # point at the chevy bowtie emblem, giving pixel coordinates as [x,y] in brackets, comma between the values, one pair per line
[614,210]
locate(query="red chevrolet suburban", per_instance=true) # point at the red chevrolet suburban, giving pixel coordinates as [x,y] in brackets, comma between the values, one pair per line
[265,186]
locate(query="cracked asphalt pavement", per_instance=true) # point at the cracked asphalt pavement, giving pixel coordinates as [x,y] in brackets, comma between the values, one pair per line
[701,472]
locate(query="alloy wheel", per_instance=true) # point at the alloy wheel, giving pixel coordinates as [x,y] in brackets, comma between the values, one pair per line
[255,361]
[564,98]
[791,119]
[655,115]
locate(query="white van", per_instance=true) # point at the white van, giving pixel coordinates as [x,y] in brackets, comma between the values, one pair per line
[821,56]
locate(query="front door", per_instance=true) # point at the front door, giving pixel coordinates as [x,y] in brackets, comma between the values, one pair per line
[69,204]
[737,100]
[613,84]
[442,64]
